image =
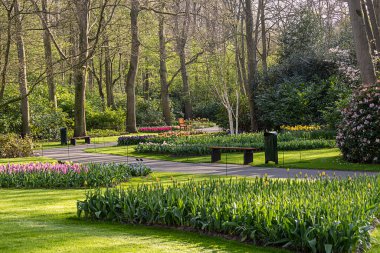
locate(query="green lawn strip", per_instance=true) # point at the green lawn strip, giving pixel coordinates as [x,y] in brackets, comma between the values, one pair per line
[94,140]
[45,221]
[26,159]
[324,159]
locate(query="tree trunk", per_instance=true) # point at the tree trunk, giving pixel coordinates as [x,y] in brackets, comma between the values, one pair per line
[6,54]
[133,68]
[165,102]
[48,58]
[368,29]
[251,49]
[80,71]
[264,41]
[146,84]
[376,7]
[374,22]
[185,85]
[100,83]
[361,43]
[22,71]
[181,41]
[108,73]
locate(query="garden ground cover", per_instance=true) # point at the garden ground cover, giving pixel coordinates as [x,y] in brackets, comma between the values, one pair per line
[328,159]
[45,221]
[26,159]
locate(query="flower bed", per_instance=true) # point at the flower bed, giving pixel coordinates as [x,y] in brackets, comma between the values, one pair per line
[133,140]
[311,215]
[156,129]
[51,175]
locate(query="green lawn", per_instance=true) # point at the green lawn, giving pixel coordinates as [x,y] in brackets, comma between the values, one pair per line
[326,159]
[45,221]
[26,159]
[94,140]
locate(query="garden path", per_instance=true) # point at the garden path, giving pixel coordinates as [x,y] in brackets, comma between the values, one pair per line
[78,155]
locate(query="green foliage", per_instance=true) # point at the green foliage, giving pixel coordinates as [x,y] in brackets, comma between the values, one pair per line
[359,133]
[11,146]
[148,113]
[47,122]
[48,175]
[301,103]
[308,215]
[107,119]
[200,145]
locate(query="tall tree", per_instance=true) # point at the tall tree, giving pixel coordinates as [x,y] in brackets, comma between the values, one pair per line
[165,103]
[108,73]
[181,41]
[133,68]
[7,50]
[362,48]
[80,70]
[251,62]
[22,78]
[48,56]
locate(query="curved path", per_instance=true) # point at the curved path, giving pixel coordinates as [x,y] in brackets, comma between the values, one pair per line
[77,154]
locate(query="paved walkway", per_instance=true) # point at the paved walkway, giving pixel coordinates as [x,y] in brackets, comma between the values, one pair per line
[77,154]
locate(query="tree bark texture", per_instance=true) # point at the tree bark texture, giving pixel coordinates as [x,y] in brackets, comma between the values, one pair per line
[362,48]
[23,83]
[251,64]
[80,71]
[48,57]
[165,101]
[133,68]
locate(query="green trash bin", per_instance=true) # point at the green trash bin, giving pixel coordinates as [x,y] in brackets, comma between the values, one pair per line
[63,136]
[270,146]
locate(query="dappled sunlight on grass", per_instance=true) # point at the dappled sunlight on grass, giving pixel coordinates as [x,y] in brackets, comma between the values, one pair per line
[26,159]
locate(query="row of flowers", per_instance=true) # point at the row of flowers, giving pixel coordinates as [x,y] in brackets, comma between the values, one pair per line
[300,128]
[157,129]
[53,175]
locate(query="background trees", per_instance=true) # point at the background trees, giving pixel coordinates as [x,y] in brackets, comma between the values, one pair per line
[277,62]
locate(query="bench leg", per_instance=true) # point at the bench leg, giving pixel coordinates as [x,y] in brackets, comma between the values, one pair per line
[87,140]
[248,156]
[73,142]
[216,155]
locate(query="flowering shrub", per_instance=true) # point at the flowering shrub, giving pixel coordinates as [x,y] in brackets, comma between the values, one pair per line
[133,140]
[12,146]
[155,129]
[51,175]
[359,133]
[301,128]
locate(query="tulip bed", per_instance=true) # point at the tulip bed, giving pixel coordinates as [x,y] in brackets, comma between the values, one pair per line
[310,215]
[51,175]
[156,129]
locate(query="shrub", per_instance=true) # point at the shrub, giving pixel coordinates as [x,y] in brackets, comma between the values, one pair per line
[11,145]
[133,140]
[50,175]
[308,215]
[359,133]
[108,119]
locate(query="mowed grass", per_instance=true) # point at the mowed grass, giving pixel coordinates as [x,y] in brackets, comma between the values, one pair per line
[26,159]
[323,159]
[45,221]
[38,146]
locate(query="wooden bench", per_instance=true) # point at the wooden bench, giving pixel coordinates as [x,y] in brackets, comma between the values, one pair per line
[216,153]
[87,140]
